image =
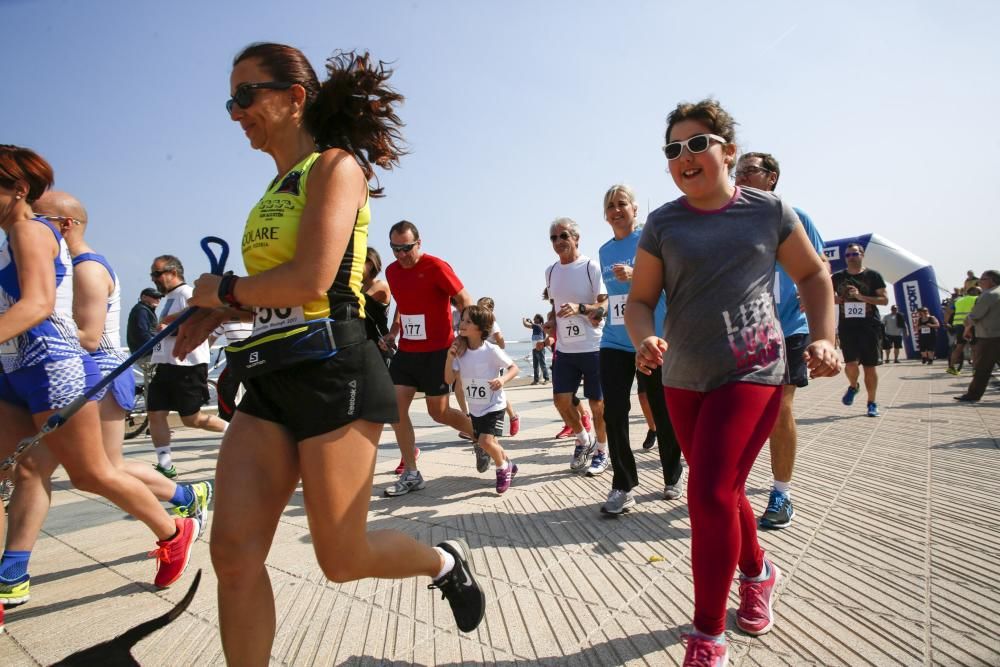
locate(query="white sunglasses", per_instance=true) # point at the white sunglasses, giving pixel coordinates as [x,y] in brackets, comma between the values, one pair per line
[699,143]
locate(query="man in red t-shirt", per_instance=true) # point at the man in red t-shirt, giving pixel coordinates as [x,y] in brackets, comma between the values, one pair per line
[422,286]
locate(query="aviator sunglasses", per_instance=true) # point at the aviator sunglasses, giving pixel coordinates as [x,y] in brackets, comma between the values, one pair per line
[244,93]
[562,235]
[699,143]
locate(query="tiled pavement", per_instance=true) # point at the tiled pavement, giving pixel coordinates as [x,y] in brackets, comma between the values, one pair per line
[894,556]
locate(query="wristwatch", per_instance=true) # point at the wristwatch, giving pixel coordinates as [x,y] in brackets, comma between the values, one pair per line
[583,308]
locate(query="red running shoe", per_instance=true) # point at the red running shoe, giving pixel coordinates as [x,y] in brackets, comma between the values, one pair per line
[565,432]
[704,652]
[172,555]
[402,462]
[587,425]
[755,616]
[515,425]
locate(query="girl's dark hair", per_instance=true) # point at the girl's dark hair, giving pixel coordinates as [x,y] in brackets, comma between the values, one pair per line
[376,261]
[538,318]
[482,318]
[352,110]
[708,112]
[23,165]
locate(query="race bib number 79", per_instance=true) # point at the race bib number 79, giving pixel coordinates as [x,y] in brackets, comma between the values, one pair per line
[572,330]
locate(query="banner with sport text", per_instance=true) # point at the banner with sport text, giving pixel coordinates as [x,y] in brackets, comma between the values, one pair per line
[912,277]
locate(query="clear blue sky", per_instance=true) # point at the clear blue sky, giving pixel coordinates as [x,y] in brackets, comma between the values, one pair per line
[881,113]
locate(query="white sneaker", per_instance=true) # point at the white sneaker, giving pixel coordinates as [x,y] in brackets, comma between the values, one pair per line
[599,463]
[675,491]
[410,480]
[581,453]
[618,502]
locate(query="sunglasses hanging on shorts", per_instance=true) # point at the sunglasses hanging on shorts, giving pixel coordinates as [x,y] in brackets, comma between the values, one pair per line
[243,97]
[699,143]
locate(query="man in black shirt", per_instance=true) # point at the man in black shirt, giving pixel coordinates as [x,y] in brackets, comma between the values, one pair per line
[859,292]
[142,322]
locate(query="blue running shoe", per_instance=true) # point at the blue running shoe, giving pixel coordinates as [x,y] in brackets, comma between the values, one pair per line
[873,410]
[849,395]
[779,512]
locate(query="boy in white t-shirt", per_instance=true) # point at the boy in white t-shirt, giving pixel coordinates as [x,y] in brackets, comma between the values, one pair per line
[484,368]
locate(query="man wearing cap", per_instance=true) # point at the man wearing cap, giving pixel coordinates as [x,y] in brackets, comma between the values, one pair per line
[142,319]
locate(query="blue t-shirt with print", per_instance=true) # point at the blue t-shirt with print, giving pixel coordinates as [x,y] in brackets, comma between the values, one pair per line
[622,252]
[786,296]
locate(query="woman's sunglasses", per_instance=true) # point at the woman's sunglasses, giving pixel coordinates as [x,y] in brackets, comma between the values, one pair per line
[244,93]
[699,143]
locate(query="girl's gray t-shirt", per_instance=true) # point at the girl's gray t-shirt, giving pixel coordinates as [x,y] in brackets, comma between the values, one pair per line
[718,275]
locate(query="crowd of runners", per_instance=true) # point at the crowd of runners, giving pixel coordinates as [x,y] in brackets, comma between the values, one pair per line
[718,309]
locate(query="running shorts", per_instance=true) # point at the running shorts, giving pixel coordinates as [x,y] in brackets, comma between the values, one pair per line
[422,370]
[489,424]
[317,397]
[49,386]
[860,344]
[796,371]
[122,388]
[928,341]
[570,367]
[182,389]
[892,342]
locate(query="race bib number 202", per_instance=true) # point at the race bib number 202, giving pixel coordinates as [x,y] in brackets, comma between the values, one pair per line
[854,309]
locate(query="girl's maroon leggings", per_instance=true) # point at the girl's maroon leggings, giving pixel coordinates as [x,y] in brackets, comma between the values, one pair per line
[720,433]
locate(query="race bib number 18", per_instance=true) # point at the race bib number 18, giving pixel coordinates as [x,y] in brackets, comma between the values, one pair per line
[616,303]
[413,327]
[854,309]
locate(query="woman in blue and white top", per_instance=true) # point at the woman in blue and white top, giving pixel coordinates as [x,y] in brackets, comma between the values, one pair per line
[44,368]
[618,361]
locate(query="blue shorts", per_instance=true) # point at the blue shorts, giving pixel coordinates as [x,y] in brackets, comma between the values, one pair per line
[49,386]
[122,387]
[570,367]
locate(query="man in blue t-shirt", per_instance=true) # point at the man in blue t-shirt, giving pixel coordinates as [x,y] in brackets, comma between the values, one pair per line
[761,171]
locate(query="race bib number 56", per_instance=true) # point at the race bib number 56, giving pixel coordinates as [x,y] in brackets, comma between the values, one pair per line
[267,319]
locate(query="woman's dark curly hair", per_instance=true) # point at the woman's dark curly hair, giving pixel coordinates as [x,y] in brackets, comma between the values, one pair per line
[354,109]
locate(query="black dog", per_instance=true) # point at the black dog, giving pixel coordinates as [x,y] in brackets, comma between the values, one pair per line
[117,652]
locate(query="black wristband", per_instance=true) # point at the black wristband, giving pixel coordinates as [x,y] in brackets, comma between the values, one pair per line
[226,287]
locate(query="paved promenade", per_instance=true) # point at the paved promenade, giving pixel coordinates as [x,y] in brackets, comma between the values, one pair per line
[893,559]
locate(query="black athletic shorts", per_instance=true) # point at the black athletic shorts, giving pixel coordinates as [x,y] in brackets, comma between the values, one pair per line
[317,397]
[860,343]
[183,389]
[489,424]
[422,370]
[892,342]
[928,341]
[796,371]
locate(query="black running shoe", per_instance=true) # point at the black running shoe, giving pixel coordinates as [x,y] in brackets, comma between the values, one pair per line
[650,440]
[467,600]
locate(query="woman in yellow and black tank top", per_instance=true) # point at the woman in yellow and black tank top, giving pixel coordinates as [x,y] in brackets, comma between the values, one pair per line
[317,391]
